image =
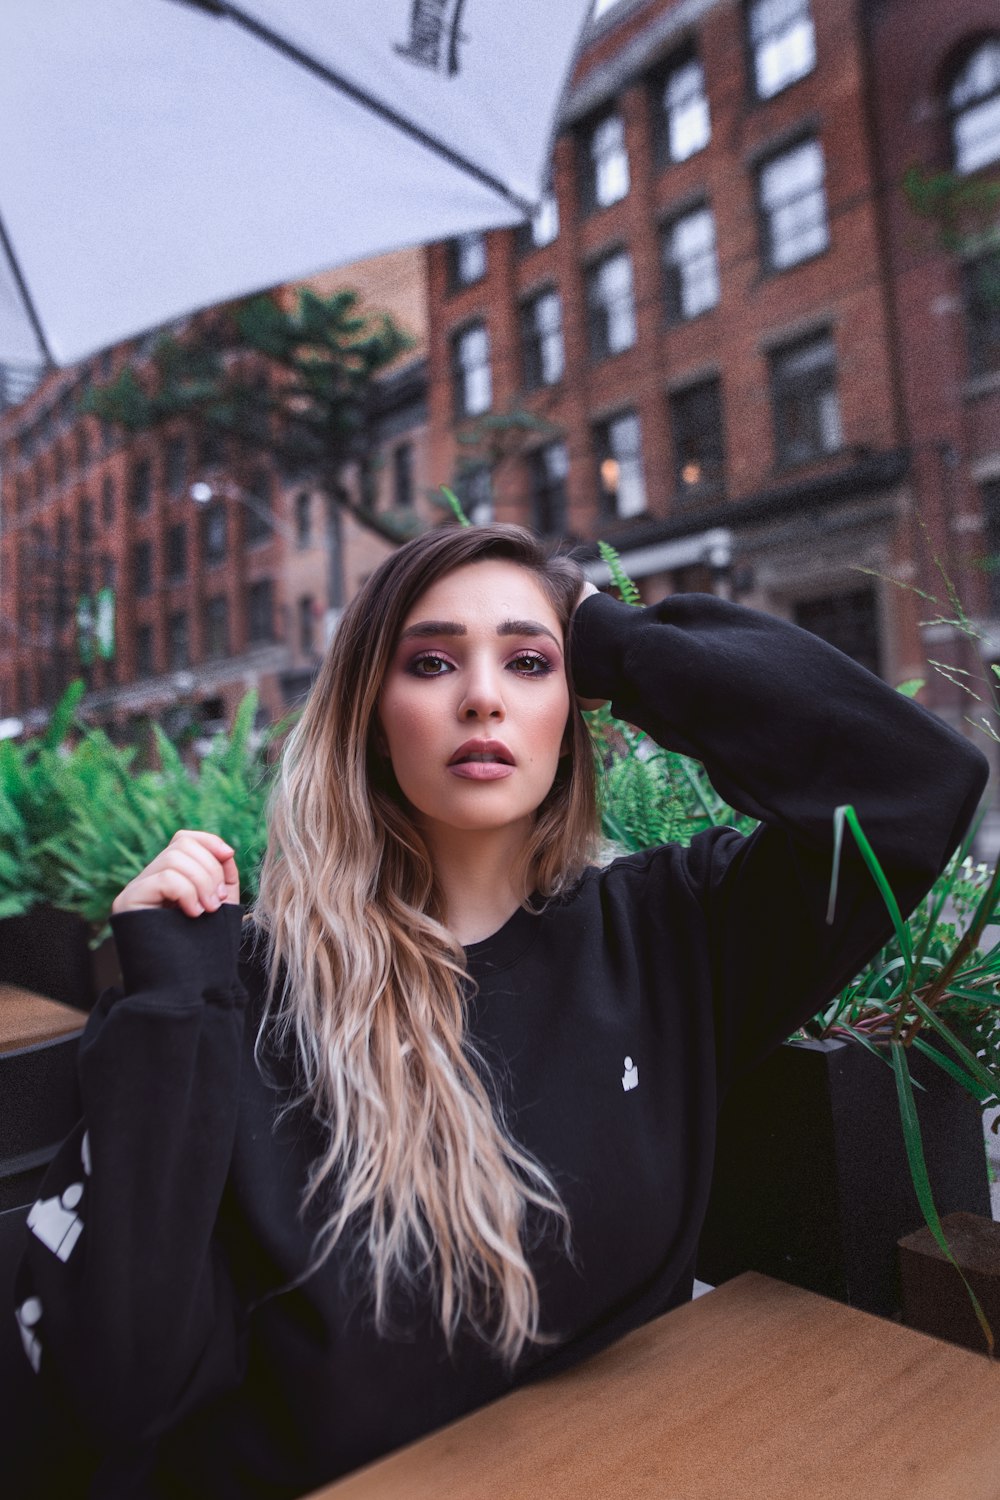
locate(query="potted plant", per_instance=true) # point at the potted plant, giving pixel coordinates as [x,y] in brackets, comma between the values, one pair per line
[871,1116]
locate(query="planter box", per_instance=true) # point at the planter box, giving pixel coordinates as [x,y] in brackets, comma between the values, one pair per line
[47,951]
[934,1299]
[811,1181]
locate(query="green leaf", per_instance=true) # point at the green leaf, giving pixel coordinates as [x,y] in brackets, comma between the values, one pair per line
[622,582]
[911,687]
[920,1179]
[455,505]
[847,814]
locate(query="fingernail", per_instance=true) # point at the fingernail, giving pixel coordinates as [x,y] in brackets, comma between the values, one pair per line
[220,890]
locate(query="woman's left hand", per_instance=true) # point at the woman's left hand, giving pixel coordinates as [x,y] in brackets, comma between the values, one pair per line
[588,704]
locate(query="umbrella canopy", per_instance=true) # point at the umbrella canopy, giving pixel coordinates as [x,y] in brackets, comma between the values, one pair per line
[157,156]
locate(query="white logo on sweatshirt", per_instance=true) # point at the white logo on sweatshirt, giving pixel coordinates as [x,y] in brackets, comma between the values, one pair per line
[55,1222]
[28,1315]
[630,1078]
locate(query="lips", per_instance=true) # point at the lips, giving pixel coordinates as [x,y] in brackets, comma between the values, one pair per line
[482,752]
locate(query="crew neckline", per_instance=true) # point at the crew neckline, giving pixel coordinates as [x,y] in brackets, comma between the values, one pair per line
[508,943]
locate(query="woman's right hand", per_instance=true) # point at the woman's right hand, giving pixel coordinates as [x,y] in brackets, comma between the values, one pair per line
[196,873]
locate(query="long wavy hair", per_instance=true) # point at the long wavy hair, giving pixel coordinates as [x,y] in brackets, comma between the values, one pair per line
[368,986]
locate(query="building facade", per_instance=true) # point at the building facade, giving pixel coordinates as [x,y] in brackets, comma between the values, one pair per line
[693,351]
[172,577]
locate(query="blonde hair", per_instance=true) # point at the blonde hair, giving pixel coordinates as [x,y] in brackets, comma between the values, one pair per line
[369,985]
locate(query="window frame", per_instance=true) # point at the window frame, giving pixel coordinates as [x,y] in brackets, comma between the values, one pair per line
[598,340]
[589,165]
[549,495]
[604,452]
[796,386]
[533,339]
[982,336]
[672,269]
[790,79]
[659,81]
[460,371]
[457,281]
[956,111]
[681,404]
[765,215]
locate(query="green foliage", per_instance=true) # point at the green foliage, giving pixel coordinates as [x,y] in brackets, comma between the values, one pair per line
[291,384]
[622,582]
[77,822]
[455,505]
[963,210]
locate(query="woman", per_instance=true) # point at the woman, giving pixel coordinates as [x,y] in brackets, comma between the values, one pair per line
[447,1122]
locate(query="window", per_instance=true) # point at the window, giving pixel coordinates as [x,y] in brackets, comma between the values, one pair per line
[604,164]
[213,533]
[175,465]
[211,450]
[542,340]
[982,313]
[600,6]
[59,463]
[683,122]
[217,626]
[542,228]
[307,624]
[696,422]
[261,612]
[142,569]
[85,522]
[806,409]
[991,517]
[611,306]
[690,266]
[109,571]
[177,552]
[402,475]
[107,500]
[144,664]
[793,205]
[140,490]
[619,458]
[782,43]
[257,510]
[549,471]
[178,640]
[475,491]
[974,101]
[82,446]
[468,259]
[303,520]
[473,380]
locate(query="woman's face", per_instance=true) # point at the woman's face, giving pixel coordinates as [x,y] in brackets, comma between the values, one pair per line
[475,703]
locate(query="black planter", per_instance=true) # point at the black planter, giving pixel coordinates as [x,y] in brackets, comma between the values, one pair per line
[46,950]
[811,1180]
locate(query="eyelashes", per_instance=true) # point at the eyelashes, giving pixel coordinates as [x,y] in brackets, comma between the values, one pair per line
[523,664]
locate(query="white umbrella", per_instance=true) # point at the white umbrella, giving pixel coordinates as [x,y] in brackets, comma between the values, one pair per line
[157,156]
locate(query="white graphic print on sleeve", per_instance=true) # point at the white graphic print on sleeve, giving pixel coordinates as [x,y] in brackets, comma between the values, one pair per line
[28,1316]
[630,1078]
[54,1220]
[56,1223]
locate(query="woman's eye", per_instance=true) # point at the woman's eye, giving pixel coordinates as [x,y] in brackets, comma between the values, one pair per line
[530,664]
[430,666]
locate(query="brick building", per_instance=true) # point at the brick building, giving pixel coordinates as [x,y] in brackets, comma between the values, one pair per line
[209,600]
[694,351]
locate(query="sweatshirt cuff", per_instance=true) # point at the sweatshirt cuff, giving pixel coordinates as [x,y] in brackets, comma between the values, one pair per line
[601,632]
[161,947]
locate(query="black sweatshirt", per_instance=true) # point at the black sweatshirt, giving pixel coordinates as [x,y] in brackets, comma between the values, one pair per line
[155,1293]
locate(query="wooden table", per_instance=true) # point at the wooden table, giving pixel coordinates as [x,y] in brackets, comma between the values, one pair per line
[27,1019]
[755,1391]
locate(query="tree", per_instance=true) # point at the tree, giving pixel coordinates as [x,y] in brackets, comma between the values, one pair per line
[267,381]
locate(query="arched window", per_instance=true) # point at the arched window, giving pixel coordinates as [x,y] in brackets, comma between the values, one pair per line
[974,103]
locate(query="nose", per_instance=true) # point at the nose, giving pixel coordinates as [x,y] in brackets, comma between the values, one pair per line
[482,695]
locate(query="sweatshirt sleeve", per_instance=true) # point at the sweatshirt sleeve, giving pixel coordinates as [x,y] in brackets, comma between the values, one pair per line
[788,729]
[125,1307]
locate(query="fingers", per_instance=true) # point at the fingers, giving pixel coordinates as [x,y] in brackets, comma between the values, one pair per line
[195,873]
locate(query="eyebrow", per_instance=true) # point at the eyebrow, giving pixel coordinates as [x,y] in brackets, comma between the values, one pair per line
[427,628]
